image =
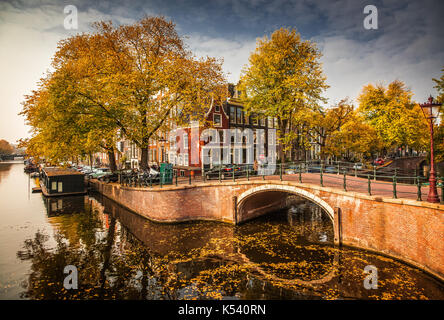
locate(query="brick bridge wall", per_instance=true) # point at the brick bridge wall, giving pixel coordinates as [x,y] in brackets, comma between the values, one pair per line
[405,229]
[408,164]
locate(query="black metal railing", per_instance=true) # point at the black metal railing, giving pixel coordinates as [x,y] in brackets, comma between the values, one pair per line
[347,176]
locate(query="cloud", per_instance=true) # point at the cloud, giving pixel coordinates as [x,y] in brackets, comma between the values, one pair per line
[28,41]
[234,52]
[407,46]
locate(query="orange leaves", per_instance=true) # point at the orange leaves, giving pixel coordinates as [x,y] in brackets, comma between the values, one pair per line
[127,78]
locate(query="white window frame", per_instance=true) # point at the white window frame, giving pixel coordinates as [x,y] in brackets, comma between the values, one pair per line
[220,120]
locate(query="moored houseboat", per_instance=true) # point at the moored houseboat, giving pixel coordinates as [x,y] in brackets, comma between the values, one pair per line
[62,182]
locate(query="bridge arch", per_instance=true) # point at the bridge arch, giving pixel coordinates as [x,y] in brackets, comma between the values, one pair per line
[285,189]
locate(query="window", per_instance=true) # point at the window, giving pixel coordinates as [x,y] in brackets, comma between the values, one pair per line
[254,120]
[262,122]
[182,173]
[232,115]
[270,122]
[185,159]
[54,185]
[60,187]
[217,120]
[185,140]
[239,115]
[216,109]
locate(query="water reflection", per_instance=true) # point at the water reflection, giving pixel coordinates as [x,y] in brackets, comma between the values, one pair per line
[284,255]
[64,205]
[5,168]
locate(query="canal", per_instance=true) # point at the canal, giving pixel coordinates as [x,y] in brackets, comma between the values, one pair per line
[119,255]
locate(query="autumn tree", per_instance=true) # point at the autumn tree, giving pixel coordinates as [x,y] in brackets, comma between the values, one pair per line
[137,75]
[398,120]
[321,124]
[60,129]
[283,78]
[134,80]
[354,140]
[440,87]
[5,147]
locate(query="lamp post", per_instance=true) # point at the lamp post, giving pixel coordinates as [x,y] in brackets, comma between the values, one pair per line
[431,112]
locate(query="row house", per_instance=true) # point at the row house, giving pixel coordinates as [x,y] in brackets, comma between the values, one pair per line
[230,115]
[176,146]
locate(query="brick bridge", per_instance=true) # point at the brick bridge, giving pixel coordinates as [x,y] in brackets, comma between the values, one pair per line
[406,229]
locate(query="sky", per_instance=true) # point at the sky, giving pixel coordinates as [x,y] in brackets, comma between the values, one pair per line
[406,46]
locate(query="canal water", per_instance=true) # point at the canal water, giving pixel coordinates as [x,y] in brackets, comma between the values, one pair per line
[119,255]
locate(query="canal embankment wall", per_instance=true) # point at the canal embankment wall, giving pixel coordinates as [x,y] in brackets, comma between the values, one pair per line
[408,230]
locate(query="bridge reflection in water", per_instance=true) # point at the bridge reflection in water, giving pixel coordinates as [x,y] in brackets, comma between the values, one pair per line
[287,254]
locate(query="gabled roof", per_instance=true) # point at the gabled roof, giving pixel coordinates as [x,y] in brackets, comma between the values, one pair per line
[235,102]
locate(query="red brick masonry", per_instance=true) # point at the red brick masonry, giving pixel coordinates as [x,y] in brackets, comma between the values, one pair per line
[402,228]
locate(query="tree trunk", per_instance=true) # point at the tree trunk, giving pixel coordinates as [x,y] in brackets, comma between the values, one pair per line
[144,158]
[282,127]
[112,159]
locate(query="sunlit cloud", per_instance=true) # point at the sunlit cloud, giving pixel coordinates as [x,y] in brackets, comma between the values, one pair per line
[407,45]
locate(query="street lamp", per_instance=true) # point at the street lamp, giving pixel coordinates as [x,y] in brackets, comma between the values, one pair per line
[431,112]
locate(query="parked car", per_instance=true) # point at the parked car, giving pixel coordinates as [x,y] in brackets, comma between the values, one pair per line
[316,169]
[226,171]
[99,172]
[358,166]
[330,170]
[87,170]
[378,162]
[293,169]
